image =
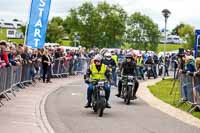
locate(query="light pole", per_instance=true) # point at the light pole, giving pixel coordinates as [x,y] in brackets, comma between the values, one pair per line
[166,13]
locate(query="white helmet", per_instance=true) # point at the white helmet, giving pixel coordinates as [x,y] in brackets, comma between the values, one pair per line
[98,57]
[108,54]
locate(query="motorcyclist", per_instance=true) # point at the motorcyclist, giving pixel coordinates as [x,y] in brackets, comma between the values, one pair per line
[114,73]
[150,62]
[161,61]
[140,65]
[97,71]
[128,67]
[114,57]
[110,63]
[155,66]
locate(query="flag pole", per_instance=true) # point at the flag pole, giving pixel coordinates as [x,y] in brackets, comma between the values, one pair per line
[27,23]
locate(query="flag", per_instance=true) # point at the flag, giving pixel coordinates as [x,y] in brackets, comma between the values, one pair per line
[38,22]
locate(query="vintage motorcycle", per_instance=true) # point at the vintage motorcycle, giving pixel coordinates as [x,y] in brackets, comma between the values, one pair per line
[149,70]
[128,84]
[98,97]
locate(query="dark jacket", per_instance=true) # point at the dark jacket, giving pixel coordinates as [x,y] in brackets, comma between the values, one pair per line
[11,59]
[45,59]
[128,68]
[109,63]
[190,67]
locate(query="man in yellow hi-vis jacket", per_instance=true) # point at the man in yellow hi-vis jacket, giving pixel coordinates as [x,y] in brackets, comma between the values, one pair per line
[97,71]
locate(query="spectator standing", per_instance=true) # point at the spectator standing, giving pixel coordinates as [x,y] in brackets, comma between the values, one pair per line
[46,65]
[4,53]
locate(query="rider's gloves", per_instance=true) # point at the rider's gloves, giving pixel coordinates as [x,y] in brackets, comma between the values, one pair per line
[87,80]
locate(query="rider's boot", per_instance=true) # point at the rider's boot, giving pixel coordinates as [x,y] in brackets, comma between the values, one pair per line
[118,95]
[88,105]
[108,105]
[119,90]
[135,90]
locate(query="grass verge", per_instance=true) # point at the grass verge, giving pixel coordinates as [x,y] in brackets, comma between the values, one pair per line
[162,90]
[4,37]
[169,47]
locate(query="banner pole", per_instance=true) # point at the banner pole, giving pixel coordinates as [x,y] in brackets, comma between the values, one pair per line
[27,23]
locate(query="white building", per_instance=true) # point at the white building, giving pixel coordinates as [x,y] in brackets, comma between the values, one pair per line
[172,39]
[14,33]
[11,24]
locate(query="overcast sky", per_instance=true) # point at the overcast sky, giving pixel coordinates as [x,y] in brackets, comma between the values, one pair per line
[187,11]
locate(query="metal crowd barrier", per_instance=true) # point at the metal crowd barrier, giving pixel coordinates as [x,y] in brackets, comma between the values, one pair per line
[190,90]
[65,66]
[80,65]
[56,67]
[16,75]
[7,79]
[26,76]
[20,75]
[62,67]
[3,80]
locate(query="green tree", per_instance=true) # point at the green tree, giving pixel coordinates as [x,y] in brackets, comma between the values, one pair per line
[112,24]
[23,29]
[187,33]
[101,26]
[55,31]
[83,21]
[175,31]
[142,32]
[58,20]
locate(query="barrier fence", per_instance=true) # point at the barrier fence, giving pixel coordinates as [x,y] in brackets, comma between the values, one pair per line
[20,75]
[190,90]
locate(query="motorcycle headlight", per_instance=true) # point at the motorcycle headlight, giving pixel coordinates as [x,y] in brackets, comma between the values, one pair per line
[130,77]
[130,83]
[101,83]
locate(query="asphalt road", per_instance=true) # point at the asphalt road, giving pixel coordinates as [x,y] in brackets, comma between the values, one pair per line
[66,114]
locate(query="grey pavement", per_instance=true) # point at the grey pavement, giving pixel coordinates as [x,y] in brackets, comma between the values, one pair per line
[66,114]
[22,113]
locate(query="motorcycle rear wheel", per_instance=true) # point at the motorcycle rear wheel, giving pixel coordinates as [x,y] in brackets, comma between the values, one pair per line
[128,96]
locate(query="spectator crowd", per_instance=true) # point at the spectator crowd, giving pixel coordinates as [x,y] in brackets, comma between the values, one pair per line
[40,59]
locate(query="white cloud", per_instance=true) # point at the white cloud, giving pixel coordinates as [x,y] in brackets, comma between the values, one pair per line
[186,11]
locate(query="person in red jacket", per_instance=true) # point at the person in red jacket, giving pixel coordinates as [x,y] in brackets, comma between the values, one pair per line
[4,53]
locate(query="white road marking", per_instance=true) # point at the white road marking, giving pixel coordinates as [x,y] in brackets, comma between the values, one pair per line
[76,94]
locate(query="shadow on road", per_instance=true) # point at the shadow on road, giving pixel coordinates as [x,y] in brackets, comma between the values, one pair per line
[90,113]
[136,102]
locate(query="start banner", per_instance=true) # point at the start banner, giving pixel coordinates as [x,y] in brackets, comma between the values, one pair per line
[38,22]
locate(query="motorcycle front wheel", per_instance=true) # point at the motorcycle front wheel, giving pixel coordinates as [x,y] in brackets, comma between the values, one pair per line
[128,96]
[101,106]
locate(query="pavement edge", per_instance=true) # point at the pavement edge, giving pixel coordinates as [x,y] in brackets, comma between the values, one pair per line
[40,110]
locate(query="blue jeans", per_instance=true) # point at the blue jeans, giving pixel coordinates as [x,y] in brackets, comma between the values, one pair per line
[140,72]
[154,68]
[90,90]
[166,70]
[175,73]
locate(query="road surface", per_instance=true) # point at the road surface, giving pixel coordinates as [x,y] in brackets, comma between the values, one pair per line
[66,114]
